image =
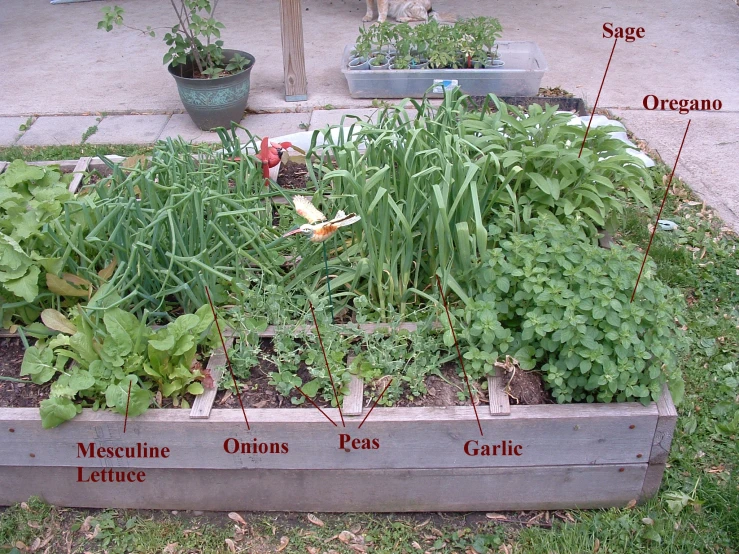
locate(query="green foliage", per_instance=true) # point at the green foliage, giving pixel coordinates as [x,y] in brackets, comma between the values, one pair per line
[114,351]
[193,42]
[443,46]
[31,197]
[430,187]
[562,306]
[174,227]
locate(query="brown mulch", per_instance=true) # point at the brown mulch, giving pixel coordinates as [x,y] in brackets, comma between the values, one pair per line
[526,388]
[293,175]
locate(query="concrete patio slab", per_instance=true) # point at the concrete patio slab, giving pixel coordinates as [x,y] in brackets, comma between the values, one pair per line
[708,160]
[9,132]
[129,129]
[181,124]
[276,124]
[59,129]
[322,118]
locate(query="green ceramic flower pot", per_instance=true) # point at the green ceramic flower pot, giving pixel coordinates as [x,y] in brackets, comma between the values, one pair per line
[214,102]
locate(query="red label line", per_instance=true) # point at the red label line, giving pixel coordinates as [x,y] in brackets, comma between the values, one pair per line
[375,404]
[325,359]
[659,214]
[592,113]
[309,399]
[125,421]
[459,354]
[228,360]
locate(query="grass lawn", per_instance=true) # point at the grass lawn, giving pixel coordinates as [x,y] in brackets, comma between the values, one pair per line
[697,509]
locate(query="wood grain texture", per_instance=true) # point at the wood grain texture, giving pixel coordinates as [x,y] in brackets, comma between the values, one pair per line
[409,437]
[666,421]
[79,171]
[542,488]
[293,51]
[652,481]
[354,401]
[499,402]
[217,367]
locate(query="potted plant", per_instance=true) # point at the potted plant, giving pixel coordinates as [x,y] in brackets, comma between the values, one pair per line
[213,82]
[362,50]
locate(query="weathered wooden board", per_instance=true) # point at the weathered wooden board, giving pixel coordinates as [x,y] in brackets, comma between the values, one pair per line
[293,51]
[79,172]
[216,365]
[354,401]
[409,437]
[397,490]
[500,404]
[666,420]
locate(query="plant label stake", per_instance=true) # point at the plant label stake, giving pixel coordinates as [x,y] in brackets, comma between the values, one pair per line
[125,421]
[459,353]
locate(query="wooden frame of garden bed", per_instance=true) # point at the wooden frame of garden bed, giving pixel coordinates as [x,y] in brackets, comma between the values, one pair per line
[573,456]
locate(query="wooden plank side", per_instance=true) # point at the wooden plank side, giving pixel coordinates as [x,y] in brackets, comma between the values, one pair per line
[293,51]
[216,365]
[652,481]
[79,172]
[354,401]
[408,438]
[666,421]
[541,488]
[499,402]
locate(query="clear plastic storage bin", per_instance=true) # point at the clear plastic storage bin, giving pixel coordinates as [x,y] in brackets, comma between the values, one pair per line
[520,76]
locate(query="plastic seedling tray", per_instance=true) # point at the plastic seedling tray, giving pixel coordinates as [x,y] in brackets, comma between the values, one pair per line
[520,76]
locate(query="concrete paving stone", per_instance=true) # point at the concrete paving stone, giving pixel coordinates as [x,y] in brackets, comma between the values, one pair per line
[57,129]
[275,124]
[708,162]
[129,129]
[9,132]
[321,118]
[181,124]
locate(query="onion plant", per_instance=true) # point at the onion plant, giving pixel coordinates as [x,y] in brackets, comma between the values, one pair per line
[431,187]
[179,224]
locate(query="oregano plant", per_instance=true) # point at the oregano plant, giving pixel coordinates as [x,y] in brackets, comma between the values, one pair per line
[562,306]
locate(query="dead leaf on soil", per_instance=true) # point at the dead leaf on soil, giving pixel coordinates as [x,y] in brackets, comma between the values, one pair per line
[415,545]
[86,524]
[495,516]
[312,550]
[24,506]
[596,546]
[34,524]
[231,545]
[228,394]
[631,504]
[284,541]
[237,518]
[315,521]
[171,548]
[35,544]
[357,527]
[347,536]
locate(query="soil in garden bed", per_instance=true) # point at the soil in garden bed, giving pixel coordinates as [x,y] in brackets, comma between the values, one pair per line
[17,395]
[524,387]
[293,175]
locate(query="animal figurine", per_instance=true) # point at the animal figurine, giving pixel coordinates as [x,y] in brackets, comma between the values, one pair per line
[272,154]
[317,228]
[404,11]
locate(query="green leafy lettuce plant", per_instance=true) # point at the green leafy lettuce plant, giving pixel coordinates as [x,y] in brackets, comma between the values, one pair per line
[30,198]
[101,351]
[562,306]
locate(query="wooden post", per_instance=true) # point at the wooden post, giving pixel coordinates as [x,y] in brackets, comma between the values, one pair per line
[293,51]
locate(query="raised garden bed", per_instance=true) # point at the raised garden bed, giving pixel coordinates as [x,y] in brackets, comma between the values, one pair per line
[555,456]
[398,458]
